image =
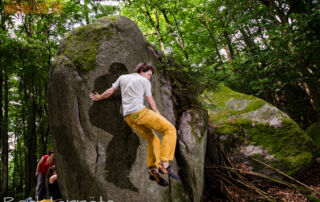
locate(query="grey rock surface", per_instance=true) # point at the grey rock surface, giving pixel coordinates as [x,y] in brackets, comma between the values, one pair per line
[192,140]
[97,153]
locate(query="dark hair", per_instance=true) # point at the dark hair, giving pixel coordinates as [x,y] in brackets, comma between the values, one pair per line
[143,67]
[50,152]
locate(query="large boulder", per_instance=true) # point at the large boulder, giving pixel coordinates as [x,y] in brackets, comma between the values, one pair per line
[97,153]
[249,127]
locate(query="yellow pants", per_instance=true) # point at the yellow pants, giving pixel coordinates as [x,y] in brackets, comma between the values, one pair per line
[144,122]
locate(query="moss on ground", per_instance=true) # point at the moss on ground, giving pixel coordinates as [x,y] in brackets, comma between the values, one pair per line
[314,133]
[82,45]
[312,198]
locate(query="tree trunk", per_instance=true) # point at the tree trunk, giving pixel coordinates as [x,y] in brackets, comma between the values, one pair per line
[212,40]
[4,152]
[173,34]
[1,121]
[227,40]
[20,168]
[252,49]
[272,8]
[15,164]
[178,28]
[86,11]
[314,96]
[30,145]
[156,27]
[42,131]
[158,32]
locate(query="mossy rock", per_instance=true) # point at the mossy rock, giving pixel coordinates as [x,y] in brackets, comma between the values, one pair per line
[80,45]
[249,127]
[314,132]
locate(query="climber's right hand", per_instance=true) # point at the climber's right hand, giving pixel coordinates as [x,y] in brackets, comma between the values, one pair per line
[95,96]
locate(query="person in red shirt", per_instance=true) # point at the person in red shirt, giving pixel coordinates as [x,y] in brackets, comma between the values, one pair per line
[41,172]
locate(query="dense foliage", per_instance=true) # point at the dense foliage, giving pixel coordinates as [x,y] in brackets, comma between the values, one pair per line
[269,49]
[264,48]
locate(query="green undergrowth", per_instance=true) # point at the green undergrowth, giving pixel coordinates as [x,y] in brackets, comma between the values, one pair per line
[312,198]
[81,44]
[188,82]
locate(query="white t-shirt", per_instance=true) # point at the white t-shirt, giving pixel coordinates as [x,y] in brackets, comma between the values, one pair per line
[133,89]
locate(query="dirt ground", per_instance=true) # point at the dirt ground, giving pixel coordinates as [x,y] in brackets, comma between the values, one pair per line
[217,192]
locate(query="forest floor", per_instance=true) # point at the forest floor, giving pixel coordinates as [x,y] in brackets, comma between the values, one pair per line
[311,178]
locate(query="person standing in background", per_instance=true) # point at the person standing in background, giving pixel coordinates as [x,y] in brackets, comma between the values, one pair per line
[41,172]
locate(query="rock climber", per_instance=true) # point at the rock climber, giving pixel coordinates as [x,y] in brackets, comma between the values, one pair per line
[134,87]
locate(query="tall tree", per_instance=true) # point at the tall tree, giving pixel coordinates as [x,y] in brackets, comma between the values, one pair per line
[1,121]
[5,144]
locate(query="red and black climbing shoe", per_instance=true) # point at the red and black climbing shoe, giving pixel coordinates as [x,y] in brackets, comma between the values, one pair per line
[169,171]
[155,176]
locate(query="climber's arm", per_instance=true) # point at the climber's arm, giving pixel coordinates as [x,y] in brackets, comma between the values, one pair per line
[152,104]
[96,96]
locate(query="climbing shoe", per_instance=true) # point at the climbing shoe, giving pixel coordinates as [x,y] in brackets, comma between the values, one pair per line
[155,176]
[168,171]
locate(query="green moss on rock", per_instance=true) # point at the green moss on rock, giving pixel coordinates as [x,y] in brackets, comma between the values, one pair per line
[289,144]
[314,133]
[196,123]
[224,94]
[81,45]
[112,18]
[288,147]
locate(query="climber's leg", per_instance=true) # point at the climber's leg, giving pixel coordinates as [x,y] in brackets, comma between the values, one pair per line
[153,149]
[155,121]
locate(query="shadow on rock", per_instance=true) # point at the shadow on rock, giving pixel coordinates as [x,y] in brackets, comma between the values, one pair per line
[106,114]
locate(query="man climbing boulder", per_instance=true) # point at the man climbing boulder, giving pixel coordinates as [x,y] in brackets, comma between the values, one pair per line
[133,88]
